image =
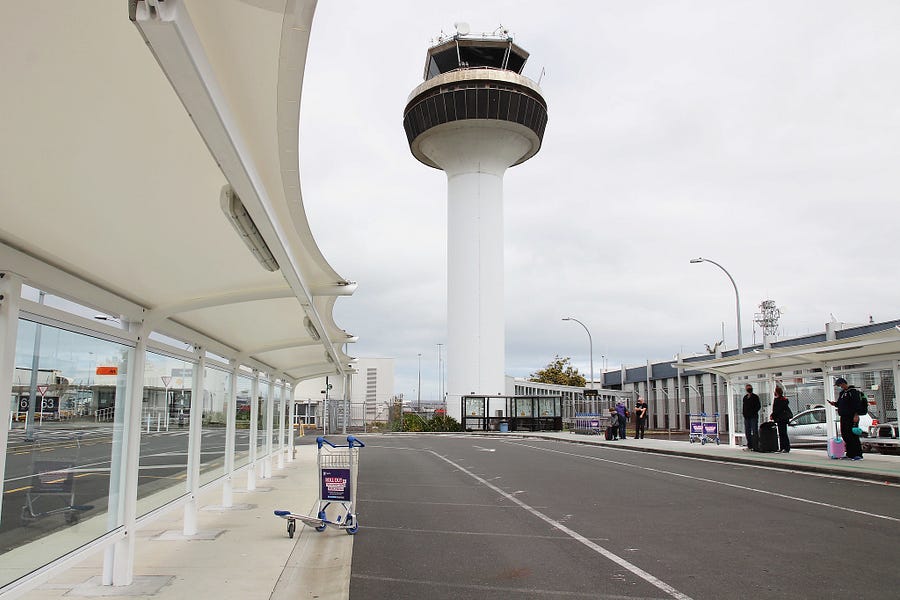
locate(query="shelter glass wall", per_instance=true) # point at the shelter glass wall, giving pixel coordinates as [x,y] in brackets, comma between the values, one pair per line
[242,436]
[264,417]
[165,435]
[216,403]
[56,486]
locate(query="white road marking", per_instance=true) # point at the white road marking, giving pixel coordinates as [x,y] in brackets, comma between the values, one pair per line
[713,481]
[480,449]
[665,587]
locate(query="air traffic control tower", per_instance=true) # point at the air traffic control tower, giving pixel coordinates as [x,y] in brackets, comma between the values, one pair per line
[475,116]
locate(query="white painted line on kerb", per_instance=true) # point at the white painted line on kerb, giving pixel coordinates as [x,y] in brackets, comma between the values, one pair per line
[665,587]
[722,483]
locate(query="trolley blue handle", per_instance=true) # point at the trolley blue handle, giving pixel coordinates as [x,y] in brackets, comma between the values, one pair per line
[351,442]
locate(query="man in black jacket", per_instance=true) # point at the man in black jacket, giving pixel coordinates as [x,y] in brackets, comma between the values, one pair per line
[847,404]
[751,407]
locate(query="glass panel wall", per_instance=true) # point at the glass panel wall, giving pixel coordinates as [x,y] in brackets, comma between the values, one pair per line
[165,420]
[242,436]
[216,403]
[59,452]
[263,417]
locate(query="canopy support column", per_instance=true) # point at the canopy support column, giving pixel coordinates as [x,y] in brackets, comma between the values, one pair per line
[230,433]
[195,439]
[254,431]
[10,293]
[730,404]
[270,406]
[281,414]
[828,383]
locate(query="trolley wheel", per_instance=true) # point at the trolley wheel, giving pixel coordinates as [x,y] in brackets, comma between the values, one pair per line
[703,442]
[291,527]
[717,442]
[691,440]
[25,517]
[71,517]
[354,525]
[321,528]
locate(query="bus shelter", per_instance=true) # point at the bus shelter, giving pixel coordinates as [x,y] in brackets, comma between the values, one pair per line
[806,373]
[523,413]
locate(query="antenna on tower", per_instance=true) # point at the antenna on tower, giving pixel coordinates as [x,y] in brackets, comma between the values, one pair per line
[767,317]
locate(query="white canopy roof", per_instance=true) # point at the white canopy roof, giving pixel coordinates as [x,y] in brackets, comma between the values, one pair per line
[879,346]
[118,139]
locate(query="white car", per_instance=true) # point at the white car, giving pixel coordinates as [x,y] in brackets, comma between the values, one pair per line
[809,425]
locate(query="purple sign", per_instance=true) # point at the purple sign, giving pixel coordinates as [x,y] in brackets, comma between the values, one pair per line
[595,423]
[711,428]
[697,427]
[336,485]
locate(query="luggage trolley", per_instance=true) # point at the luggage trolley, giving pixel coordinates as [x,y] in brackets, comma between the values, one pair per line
[704,428]
[338,466]
[52,479]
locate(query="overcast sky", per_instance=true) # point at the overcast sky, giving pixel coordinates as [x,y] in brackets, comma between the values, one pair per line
[762,135]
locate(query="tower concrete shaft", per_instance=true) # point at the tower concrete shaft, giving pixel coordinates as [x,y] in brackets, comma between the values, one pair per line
[473,123]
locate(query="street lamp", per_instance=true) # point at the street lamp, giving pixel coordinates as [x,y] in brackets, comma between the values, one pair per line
[419,390]
[736,296]
[590,343]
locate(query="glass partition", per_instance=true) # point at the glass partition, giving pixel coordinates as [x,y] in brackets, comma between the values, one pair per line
[66,390]
[242,435]
[165,421]
[216,402]
[264,417]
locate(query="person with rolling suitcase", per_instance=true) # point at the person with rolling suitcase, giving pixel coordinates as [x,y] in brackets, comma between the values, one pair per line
[781,414]
[850,404]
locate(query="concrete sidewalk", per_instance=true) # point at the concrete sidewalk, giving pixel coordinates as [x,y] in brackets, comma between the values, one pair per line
[243,552]
[875,467]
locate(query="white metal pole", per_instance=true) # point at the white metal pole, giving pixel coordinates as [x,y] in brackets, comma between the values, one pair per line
[270,404]
[10,294]
[126,454]
[254,431]
[195,439]
[729,389]
[896,396]
[230,433]
[282,400]
[830,424]
[289,391]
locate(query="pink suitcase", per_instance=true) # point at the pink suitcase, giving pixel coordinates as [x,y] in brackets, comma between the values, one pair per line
[836,448]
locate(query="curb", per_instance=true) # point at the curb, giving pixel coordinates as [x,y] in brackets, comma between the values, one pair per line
[744,460]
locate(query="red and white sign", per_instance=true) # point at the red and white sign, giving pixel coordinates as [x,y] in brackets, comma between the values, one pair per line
[42,389]
[107,370]
[166,381]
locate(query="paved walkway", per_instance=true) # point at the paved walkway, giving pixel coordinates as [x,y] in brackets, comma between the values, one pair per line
[239,553]
[248,554]
[875,467]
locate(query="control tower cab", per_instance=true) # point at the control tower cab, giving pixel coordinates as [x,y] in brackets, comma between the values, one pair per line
[475,77]
[473,117]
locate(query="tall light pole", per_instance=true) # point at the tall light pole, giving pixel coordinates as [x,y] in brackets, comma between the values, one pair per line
[590,344]
[737,298]
[440,373]
[419,389]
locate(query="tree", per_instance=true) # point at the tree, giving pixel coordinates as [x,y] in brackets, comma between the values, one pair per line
[559,372]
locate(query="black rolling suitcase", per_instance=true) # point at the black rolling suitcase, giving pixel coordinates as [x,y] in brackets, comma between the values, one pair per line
[610,433]
[768,437]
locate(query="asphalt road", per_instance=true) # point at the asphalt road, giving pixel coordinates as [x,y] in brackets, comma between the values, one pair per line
[87,452]
[468,517]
